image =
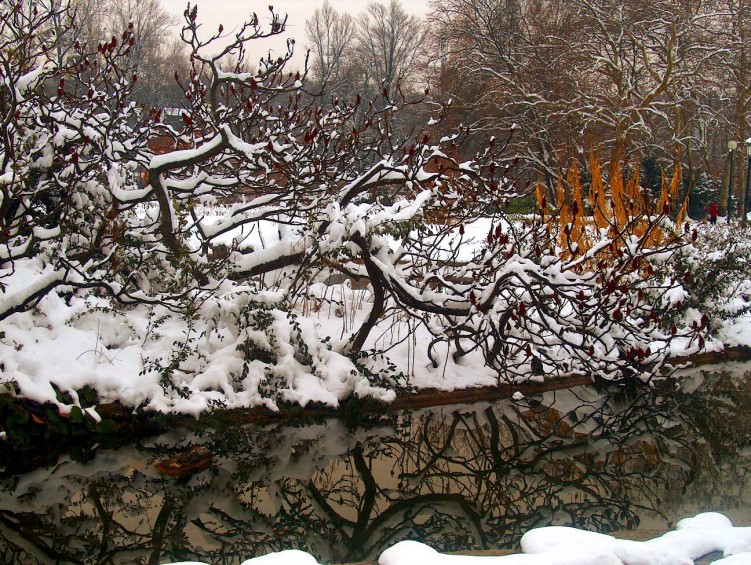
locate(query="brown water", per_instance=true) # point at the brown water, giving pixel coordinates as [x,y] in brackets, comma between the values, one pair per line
[458,478]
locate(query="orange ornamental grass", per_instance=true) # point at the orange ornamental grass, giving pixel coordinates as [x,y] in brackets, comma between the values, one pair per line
[625,212]
[573,237]
[597,193]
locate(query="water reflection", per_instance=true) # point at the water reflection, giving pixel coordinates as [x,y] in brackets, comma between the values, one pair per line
[457,478]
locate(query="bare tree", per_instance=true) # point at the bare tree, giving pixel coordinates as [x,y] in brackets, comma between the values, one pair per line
[150,56]
[624,75]
[331,35]
[151,26]
[390,44]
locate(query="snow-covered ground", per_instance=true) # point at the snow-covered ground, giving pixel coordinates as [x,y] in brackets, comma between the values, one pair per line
[692,539]
[69,342]
[146,356]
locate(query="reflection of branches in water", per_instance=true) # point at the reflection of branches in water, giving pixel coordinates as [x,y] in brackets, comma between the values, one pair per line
[86,531]
[468,478]
[483,478]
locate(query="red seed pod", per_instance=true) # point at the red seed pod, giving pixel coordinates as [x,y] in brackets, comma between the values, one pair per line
[461,229]
[694,235]
[617,316]
[701,341]
[472,298]
[522,309]
[704,321]
[673,330]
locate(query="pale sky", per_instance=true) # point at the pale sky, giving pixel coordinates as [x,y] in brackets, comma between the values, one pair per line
[231,13]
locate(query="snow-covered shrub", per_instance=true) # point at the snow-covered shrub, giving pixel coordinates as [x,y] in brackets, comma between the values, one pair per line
[103,198]
[716,275]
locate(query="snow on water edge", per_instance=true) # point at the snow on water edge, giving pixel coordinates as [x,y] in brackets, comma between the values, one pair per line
[556,545]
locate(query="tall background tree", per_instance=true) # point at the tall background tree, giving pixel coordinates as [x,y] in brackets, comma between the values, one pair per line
[632,78]
[384,47]
[157,53]
[330,36]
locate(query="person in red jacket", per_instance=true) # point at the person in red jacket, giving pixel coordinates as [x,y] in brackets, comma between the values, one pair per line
[713,211]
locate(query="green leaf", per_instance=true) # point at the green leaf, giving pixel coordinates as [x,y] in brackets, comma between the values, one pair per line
[106,427]
[57,428]
[76,415]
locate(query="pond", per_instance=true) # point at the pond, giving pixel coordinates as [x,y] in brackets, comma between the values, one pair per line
[457,478]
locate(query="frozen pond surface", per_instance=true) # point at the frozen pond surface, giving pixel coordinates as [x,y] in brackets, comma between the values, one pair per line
[457,478]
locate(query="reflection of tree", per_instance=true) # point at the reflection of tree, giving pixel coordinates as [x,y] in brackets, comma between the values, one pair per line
[474,477]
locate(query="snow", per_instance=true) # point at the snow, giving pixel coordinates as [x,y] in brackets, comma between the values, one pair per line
[148,356]
[290,556]
[693,538]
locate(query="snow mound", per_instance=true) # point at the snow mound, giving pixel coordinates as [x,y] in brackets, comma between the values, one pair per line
[559,545]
